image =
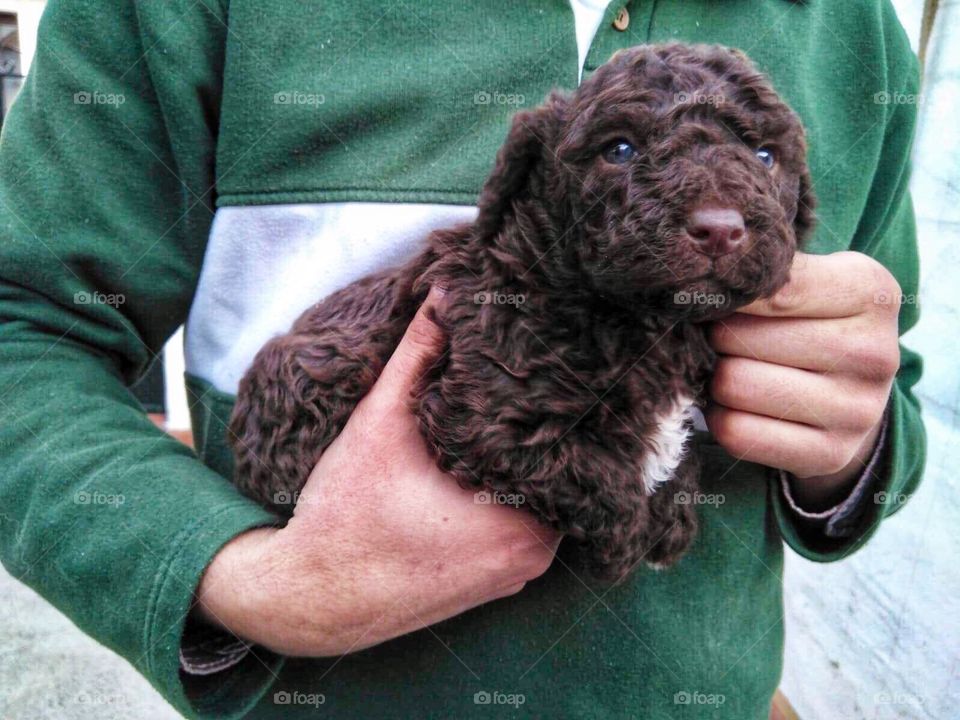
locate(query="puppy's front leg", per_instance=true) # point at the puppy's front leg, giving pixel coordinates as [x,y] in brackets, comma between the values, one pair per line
[673,517]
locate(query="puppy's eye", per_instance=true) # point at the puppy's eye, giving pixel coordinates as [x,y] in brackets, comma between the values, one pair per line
[765,155]
[619,152]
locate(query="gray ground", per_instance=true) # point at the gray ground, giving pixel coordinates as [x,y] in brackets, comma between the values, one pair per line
[49,669]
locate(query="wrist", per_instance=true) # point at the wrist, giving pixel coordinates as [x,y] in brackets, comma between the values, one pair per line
[233,589]
[260,589]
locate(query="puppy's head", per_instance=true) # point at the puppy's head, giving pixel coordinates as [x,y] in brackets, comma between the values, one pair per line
[675,174]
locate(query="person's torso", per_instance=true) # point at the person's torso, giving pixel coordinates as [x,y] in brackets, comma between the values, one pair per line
[348,131]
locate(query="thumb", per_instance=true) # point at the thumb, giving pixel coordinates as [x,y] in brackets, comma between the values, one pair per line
[421,346]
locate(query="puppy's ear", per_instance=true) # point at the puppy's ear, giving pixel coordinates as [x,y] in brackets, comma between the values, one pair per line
[529,145]
[805,219]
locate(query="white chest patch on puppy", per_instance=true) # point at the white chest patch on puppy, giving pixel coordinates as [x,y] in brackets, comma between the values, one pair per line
[668,444]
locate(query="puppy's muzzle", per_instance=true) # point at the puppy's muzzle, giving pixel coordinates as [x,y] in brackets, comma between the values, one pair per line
[716,231]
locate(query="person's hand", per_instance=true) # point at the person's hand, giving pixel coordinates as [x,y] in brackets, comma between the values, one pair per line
[803,378]
[381,542]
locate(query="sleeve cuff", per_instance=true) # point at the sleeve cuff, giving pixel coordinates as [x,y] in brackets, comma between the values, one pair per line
[842,519]
[836,533]
[207,694]
[207,650]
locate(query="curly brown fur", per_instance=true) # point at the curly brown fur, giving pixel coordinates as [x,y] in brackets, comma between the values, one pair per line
[563,398]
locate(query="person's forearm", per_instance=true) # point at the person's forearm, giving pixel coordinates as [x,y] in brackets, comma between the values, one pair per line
[250,585]
[232,591]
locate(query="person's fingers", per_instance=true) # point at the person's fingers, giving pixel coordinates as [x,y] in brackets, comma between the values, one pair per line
[421,346]
[799,449]
[785,393]
[838,345]
[830,286]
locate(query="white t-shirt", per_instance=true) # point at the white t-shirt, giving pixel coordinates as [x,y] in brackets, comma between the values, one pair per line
[587,15]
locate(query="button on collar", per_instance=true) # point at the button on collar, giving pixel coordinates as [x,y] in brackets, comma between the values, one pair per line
[622,21]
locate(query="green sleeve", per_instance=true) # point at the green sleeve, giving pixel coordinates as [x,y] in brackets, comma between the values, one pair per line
[887,232]
[106,176]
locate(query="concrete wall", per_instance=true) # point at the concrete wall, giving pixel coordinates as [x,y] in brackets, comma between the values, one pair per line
[28,14]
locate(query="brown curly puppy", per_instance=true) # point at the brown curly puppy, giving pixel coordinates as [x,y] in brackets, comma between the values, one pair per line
[669,189]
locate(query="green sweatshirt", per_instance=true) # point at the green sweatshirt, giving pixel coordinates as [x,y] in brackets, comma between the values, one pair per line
[145,126]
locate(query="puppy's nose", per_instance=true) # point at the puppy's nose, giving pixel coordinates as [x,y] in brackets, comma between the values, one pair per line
[715,231]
